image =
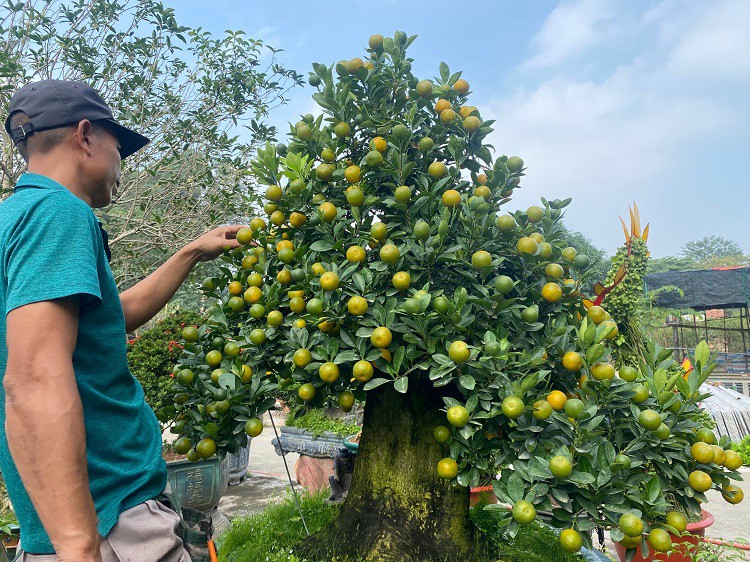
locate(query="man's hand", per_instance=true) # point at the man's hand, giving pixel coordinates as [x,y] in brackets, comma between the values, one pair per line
[214,242]
[141,302]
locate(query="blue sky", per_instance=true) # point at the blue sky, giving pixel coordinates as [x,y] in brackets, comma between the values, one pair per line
[609,102]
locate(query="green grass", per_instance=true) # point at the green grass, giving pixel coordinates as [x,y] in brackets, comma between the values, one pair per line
[270,535]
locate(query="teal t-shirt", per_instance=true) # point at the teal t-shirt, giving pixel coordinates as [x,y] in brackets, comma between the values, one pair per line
[51,247]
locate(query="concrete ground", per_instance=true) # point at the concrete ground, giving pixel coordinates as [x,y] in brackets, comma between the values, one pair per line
[267,481]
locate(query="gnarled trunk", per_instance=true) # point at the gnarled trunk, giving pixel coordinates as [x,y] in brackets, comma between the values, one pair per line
[398,509]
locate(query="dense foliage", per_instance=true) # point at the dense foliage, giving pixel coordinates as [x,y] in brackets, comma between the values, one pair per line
[152,354]
[627,298]
[385,263]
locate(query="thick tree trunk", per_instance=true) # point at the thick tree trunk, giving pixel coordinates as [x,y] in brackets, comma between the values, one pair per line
[398,509]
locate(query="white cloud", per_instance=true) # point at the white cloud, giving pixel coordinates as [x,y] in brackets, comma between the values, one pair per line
[716,44]
[634,133]
[570,29]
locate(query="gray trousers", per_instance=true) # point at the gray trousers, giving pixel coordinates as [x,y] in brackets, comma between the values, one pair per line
[144,533]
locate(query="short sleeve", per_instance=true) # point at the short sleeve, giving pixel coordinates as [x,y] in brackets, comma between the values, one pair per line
[52,254]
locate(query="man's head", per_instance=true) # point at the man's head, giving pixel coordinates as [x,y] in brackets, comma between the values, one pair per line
[60,124]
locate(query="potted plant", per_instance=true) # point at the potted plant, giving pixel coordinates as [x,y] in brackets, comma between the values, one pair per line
[316,437]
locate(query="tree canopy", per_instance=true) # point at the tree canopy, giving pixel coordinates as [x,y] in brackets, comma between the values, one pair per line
[203,100]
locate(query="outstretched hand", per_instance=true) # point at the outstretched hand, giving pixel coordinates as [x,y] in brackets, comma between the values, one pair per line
[211,245]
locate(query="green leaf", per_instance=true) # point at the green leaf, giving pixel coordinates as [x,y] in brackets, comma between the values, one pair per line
[515,488]
[445,72]
[374,383]
[228,381]
[467,381]
[702,354]
[321,246]
[402,384]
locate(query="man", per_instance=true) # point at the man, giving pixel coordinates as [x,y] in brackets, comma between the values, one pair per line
[81,450]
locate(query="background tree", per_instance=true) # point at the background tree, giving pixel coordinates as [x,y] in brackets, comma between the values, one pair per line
[201,99]
[385,275]
[714,251]
[669,263]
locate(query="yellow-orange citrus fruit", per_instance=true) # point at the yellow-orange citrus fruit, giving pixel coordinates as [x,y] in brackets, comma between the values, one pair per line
[329,372]
[733,460]
[596,314]
[602,371]
[329,281]
[557,400]
[461,86]
[451,198]
[307,392]
[631,524]
[379,144]
[389,254]
[437,169]
[357,306]
[424,88]
[571,540]
[381,337]
[297,219]
[356,254]
[699,481]
[527,246]
[379,231]
[253,294]
[732,494]
[677,520]
[447,116]
[274,193]
[328,210]
[442,105]
[551,292]
[458,416]
[362,371]
[401,280]
[702,453]
[471,123]
[505,223]
[459,352]
[353,174]
[560,466]
[447,469]
[572,361]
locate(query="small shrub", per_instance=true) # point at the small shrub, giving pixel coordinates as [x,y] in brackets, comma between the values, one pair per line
[743,448]
[152,354]
[317,423]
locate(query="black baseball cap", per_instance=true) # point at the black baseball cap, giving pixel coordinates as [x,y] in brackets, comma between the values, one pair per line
[50,104]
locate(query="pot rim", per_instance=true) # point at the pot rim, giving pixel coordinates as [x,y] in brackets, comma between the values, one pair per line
[706,521]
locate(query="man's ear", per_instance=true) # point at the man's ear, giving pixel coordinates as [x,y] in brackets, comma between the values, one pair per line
[83,136]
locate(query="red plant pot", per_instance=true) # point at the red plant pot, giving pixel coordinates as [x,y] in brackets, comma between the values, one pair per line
[680,552]
[482,492]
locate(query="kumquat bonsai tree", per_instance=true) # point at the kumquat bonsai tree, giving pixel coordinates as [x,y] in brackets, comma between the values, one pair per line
[388,272]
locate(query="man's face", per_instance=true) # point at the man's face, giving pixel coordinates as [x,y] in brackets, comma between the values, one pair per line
[104,167]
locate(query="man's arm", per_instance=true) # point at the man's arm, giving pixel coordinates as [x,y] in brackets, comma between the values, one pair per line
[44,425]
[141,302]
